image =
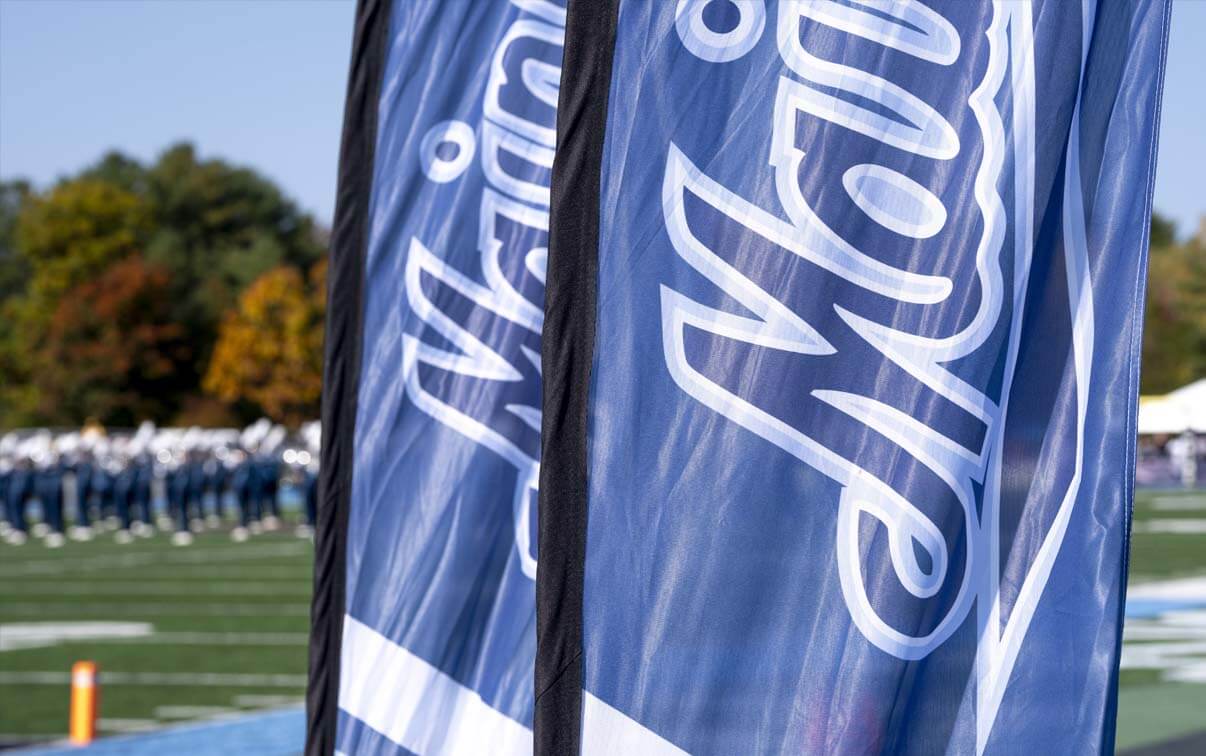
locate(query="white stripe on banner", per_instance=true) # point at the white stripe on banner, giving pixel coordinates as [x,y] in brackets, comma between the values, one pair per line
[434,714]
[430,713]
[607,731]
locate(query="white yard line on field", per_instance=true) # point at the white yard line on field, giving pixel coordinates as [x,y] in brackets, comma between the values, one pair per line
[1179,503]
[261,701]
[21,636]
[191,712]
[1179,589]
[118,724]
[1186,526]
[222,639]
[18,636]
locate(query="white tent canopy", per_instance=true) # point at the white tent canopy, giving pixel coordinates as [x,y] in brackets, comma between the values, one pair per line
[1176,412]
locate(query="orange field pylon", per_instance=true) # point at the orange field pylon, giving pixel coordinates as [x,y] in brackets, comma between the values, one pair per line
[84,693]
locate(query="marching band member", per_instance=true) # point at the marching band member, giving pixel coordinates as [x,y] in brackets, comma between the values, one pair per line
[91,480]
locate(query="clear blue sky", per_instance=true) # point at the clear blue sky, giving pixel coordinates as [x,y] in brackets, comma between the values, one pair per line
[261,82]
[257,82]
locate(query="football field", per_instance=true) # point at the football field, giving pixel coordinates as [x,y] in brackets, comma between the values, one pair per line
[1162,693]
[219,628]
[178,634]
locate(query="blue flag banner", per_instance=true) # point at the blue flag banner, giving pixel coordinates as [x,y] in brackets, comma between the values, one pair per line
[452,108]
[853,422]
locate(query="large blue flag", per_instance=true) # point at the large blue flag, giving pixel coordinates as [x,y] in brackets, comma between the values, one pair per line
[841,354]
[424,635]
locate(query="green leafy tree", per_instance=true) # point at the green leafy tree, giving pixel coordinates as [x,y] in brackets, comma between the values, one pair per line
[14,278]
[1164,231]
[14,268]
[72,233]
[57,241]
[1174,334]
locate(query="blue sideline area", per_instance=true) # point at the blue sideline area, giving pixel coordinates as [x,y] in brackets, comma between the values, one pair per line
[275,733]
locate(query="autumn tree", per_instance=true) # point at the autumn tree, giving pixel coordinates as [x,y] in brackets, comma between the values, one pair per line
[269,350]
[208,227]
[72,233]
[1174,334]
[111,349]
[216,227]
[56,241]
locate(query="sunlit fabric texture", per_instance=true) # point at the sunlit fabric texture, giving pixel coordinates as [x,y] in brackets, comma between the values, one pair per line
[438,640]
[861,412]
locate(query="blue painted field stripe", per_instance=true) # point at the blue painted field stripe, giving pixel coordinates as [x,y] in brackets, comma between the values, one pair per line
[274,733]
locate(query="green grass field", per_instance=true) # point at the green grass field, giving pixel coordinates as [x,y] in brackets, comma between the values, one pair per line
[221,626]
[228,625]
[1154,704]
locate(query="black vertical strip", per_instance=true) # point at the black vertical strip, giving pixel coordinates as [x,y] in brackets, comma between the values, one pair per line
[567,350]
[341,369]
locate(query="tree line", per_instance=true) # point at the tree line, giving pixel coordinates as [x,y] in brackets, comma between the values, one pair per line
[1174,330]
[192,291]
[183,291]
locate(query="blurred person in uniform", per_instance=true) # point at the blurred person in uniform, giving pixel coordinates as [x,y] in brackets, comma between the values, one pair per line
[48,486]
[176,480]
[245,480]
[100,482]
[306,529]
[242,483]
[1183,452]
[144,498]
[268,481]
[307,461]
[215,481]
[20,491]
[196,490]
[94,445]
[74,475]
[268,471]
[124,475]
[7,443]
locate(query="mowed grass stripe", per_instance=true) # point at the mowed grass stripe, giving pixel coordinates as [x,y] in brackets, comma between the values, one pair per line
[147,588]
[150,657]
[196,609]
[175,638]
[46,703]
[219,639]
[188,679]
[298,571]
[65,561]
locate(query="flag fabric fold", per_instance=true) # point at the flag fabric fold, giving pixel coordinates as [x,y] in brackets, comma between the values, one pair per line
[733,376]
[424,607]
[846,396]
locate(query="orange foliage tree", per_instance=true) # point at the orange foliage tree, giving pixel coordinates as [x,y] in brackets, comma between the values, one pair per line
[269,349]
[111,349]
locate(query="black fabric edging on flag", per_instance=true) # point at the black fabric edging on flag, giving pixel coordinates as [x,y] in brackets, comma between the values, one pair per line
[567,350]
[341,369]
